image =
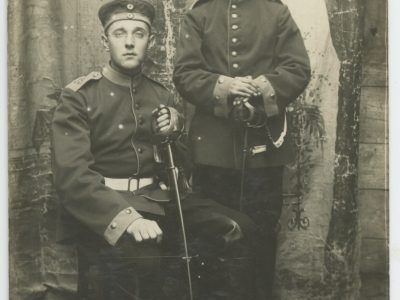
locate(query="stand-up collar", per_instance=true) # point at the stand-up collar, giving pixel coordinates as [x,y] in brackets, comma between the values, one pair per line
[121,79]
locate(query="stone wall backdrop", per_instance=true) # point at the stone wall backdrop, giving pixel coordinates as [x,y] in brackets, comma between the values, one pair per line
[333,237]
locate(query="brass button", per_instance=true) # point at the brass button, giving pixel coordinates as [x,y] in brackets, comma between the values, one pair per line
[113,225]
[130,6]
[234,53]
[140,150]
[234,16]
[235,27]
[220,80]
[128,211]
[130,16]
[234,40]
[234,6]
[187,36]
[121,126]
[235,66]
[112,94]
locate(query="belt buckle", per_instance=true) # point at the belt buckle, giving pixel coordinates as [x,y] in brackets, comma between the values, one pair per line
[129,183]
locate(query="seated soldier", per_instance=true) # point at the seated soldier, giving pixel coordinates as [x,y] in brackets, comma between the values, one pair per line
[115,200]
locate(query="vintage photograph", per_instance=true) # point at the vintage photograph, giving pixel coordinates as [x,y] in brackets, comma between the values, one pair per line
[198,150]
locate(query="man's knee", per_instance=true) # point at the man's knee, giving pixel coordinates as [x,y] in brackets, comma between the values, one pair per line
[233,231]
[219,228]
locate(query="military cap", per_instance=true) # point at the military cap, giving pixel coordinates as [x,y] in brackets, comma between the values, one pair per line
[116,10]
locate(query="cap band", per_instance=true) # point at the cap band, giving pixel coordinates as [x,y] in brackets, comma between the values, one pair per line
[134,16]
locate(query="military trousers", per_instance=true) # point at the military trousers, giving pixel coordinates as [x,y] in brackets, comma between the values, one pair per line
[219,237]
[262,203]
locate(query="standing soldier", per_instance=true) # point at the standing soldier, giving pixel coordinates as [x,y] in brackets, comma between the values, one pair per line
[109,174]
[241,63]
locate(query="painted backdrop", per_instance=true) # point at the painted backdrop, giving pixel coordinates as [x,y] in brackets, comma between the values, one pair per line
[52,42]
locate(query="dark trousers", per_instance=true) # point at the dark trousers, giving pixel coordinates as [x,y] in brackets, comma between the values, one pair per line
[262,203]
[128,271]
[219,239]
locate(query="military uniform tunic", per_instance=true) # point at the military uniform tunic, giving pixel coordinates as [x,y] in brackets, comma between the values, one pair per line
[222,39]
[102,128]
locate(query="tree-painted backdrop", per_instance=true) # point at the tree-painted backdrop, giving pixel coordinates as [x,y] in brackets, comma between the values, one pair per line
[52,42]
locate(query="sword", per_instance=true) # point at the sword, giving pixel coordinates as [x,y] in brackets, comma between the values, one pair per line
[243,170]
[173,170]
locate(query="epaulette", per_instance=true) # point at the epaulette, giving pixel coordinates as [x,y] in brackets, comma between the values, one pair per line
[78,83]
[196,2]
[155,81]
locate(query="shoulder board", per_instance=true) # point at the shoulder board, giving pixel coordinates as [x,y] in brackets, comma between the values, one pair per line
[78,83]
[196,3]
[155,81]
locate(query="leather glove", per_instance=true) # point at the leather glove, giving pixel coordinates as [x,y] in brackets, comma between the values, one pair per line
[244,112]
[166,123]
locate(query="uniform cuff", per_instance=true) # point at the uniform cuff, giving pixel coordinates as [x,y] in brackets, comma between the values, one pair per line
[269,96]
[119,224]
[221,93]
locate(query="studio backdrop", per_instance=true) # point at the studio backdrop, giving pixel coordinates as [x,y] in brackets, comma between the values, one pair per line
[52,42]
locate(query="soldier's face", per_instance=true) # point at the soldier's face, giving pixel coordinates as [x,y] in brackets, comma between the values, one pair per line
[127,41]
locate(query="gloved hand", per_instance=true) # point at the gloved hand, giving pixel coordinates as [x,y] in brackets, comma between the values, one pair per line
[242,110]
[246,113]
[166,123]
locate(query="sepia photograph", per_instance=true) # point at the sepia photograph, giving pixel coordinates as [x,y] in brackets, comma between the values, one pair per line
[197,150]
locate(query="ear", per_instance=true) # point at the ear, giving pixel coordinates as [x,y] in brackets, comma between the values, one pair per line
[104,40]
[152,42]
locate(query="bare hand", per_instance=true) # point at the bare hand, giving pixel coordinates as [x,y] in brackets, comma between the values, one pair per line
[144,229]
[243,86]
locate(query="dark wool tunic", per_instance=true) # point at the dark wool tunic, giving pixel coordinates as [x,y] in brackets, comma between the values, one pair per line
[222,39]
[102,128]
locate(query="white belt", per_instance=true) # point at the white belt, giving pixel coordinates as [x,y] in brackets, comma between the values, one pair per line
[127,184]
